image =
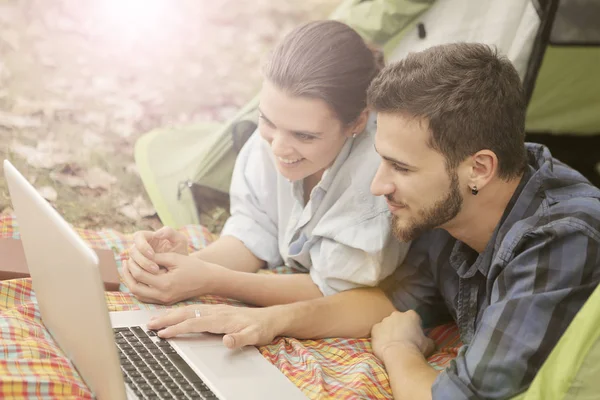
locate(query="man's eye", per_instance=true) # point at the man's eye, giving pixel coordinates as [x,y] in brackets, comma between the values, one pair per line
[399,168]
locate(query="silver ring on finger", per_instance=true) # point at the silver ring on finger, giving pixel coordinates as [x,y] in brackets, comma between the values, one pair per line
[197,313]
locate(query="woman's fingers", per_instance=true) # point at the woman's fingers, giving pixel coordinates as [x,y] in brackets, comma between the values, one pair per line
[143,276]
[142,261]
[166,232]
[141,240]
[141,291]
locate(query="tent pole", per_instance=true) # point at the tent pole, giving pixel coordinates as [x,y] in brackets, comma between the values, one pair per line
[539,47]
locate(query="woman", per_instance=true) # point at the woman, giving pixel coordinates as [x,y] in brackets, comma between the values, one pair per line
[299,193]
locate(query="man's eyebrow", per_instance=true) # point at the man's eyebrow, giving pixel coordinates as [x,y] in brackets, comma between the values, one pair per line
[309,133]
[393,160]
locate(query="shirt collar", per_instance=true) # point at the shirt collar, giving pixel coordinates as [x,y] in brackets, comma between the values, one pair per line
[466,261]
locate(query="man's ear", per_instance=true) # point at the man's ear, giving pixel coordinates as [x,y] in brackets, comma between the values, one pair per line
[358,125]
[484,166]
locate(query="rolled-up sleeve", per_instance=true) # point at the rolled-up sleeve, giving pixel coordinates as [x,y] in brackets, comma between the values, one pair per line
[357,256]
[253,218]
[534,299]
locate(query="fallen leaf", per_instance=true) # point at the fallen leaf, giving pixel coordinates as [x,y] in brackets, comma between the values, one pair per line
[10,37]
[68,180]
[92,139]
[136,210]
[123,129]
[18,122]
[48,108]
[97,178]
[88,192]
[58,85]
[130,212]
[143,208]
[70,175]
[92,118]
[132,169]
[48,193]
[23,106]
[7,211]
[46,155]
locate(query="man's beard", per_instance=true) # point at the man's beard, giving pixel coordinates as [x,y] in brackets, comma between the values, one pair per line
[441,212]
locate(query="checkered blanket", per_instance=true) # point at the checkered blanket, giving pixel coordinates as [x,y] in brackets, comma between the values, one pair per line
[32,366]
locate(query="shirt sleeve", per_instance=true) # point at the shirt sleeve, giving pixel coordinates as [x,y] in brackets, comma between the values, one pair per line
[533,301]
[413,285]
[253,199]
[357,256]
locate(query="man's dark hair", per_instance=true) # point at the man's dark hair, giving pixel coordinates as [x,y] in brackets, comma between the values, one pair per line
[471,98]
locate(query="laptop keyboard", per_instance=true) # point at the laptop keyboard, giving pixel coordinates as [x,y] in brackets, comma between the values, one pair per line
[153,369]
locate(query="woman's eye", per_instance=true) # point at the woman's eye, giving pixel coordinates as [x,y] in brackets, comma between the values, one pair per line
[303,136]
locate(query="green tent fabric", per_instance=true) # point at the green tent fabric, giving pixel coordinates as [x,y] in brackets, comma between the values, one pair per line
[567,92]
[567,88]
[171,160]
[573,367]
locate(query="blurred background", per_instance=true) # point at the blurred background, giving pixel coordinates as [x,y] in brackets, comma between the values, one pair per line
[80,81]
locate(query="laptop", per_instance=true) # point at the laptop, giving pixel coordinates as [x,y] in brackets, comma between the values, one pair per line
[114,353]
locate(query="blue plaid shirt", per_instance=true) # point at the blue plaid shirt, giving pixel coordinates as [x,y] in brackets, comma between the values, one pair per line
[513,301]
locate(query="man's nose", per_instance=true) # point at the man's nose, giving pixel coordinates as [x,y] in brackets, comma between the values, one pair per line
[381,185]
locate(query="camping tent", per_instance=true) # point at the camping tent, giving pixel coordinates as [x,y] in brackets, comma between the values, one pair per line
[555,46]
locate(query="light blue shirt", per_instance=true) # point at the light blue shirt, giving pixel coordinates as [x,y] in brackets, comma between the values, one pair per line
[342,236]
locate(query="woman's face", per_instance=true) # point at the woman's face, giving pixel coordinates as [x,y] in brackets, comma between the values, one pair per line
[304,134]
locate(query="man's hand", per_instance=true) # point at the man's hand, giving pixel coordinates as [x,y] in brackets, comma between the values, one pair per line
[399,342]
[242,326]
[400,330]
[185,277]
[147,244]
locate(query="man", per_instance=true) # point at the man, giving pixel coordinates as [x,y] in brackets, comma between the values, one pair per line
[505,238]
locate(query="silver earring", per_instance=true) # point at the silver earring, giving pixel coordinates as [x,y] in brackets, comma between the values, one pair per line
[474,190]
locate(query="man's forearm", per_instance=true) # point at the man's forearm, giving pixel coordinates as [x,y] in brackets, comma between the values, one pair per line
[411,376]
[348,314]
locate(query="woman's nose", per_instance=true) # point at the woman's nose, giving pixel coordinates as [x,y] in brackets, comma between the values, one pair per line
[279,144]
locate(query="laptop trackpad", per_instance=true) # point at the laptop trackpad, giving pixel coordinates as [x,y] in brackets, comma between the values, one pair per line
[225,363]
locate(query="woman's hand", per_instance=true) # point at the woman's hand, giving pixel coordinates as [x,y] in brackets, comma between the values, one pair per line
[147,244]
[242,326]
[185,277]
